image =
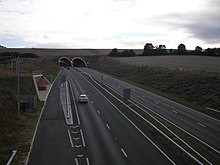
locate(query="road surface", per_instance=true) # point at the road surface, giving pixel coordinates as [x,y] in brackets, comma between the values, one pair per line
[98,134]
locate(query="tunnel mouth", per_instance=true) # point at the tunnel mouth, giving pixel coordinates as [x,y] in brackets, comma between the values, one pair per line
[78,62]
[64,62]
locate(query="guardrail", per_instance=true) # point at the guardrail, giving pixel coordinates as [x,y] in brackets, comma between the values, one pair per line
[12,157]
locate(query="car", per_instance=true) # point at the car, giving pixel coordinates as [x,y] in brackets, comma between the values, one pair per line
[83,98]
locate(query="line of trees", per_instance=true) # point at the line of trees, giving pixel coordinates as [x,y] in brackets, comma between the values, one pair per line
[150,49]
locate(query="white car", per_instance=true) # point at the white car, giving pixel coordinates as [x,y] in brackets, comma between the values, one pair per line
[83,98]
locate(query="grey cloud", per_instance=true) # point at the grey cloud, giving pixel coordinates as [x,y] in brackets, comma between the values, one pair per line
[202,24]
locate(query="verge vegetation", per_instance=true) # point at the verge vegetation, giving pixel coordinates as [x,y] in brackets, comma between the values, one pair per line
[16,131]
[189,88]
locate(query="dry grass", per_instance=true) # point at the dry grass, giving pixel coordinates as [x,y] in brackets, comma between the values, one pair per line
[64,52]
[175,61]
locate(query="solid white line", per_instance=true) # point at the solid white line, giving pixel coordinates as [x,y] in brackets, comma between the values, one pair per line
[74,102]
[129,119]
[108,126]
[87,161]
[212,109]
[123,151]
[77,163]
[201,125]
[83,140]
[71,142]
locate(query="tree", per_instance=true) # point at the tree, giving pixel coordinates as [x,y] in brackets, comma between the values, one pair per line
[162,47]
[148,46]
[181,49]
[114,52]
[198,49]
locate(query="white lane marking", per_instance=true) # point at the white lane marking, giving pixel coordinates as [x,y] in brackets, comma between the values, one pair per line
[76,138]
[174,111]
[83,140]
[87,161]
[80,155]
[98,112]
[77,163]
[143,96]
[75,107]
[123,151]
[71,142]
[74,126]
[91,101]
[77,146]
[156,102]
[108,126]
[201,125]
[74,132]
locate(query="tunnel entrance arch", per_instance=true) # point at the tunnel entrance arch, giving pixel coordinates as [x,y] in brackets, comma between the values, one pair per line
[64,62]
[78,62]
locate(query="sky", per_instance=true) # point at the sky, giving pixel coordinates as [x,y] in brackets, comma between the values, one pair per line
[128,24]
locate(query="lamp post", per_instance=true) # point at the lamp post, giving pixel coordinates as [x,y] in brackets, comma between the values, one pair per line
[18,83]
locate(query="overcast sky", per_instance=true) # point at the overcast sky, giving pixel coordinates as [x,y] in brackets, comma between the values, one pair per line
[109,23]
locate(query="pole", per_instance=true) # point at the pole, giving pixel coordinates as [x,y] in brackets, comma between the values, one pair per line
[18,84]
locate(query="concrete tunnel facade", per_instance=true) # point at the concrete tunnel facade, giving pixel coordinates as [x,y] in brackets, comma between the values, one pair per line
[76,62]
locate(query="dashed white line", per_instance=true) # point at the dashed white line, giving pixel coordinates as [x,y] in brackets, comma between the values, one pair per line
[98,112]
[123,151]
[156,102]
[87,161]
[83,140]
[174,111]
[108,126]
[201,125]
[77,163]
[71,142]
[92,102]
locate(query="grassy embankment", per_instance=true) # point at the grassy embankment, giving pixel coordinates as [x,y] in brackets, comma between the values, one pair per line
[16,131]
[193,89]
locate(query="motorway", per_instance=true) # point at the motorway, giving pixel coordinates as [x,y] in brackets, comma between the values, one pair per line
[97,134]
[198,125]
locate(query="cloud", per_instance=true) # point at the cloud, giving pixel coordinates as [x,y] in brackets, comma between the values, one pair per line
[201,24]
[110,23]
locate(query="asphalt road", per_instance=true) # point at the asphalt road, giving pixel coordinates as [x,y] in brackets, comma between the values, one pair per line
[197,124]
[100,134]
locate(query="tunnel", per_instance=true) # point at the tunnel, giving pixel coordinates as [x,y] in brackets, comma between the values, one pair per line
[78,62]
[64,62]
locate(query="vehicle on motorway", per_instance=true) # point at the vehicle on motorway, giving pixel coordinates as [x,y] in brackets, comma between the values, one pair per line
[83,98]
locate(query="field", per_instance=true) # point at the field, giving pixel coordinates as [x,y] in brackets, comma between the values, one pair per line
[64,52]
[174,61]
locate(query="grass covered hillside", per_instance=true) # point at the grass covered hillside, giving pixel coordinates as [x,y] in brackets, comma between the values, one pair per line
[16,131]
[196,89]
